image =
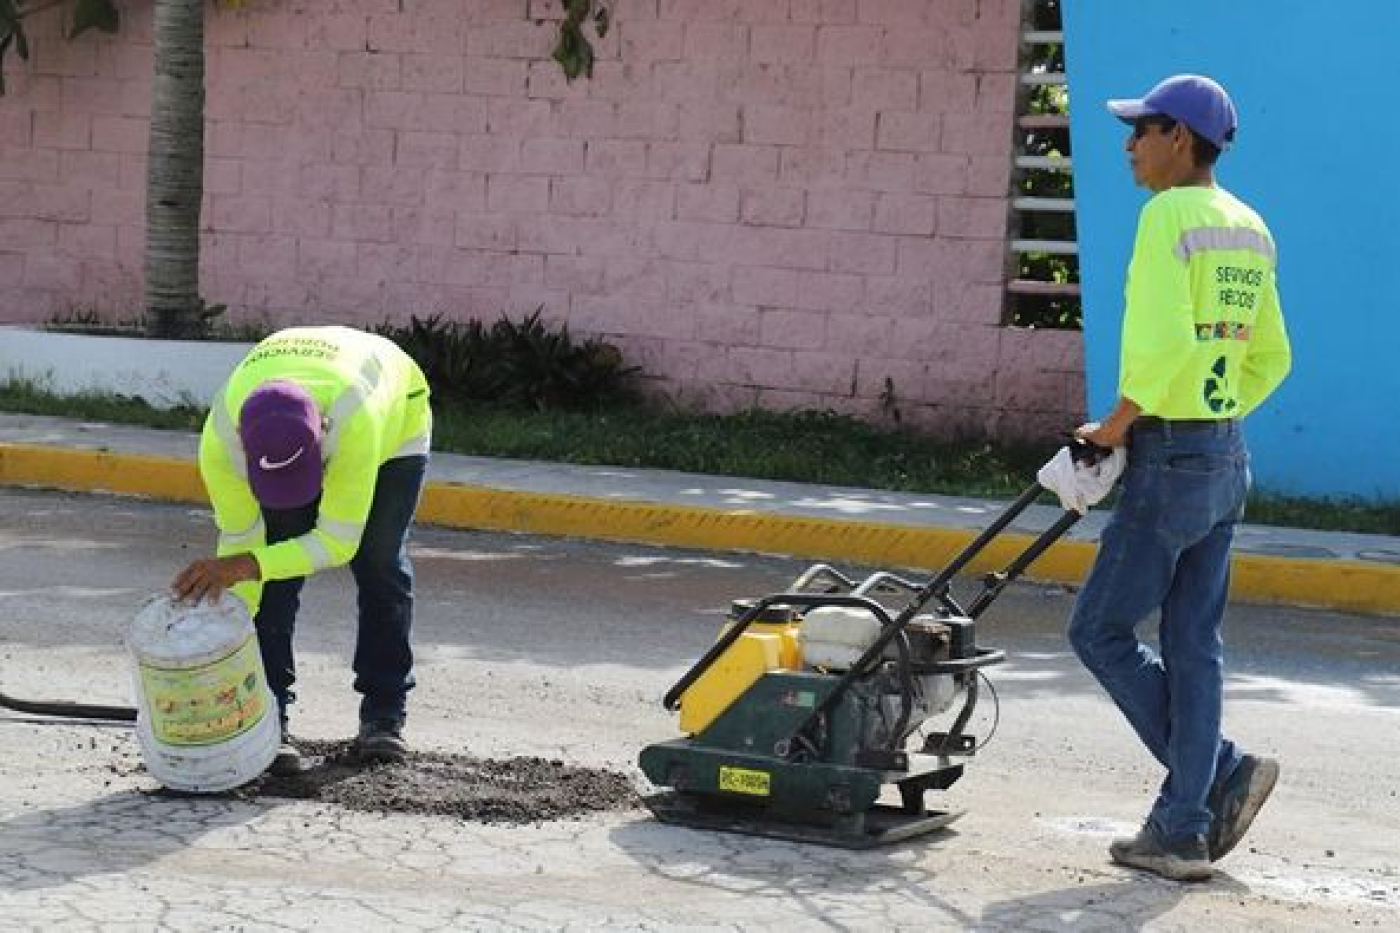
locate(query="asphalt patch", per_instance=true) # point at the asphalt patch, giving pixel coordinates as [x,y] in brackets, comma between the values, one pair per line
[482,790]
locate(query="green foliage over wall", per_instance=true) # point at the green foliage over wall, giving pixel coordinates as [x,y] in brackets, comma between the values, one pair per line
[87,14]
[524,365]
[573,51]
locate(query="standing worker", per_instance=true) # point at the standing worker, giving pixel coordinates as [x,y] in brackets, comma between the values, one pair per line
[314,455]
[1203,344]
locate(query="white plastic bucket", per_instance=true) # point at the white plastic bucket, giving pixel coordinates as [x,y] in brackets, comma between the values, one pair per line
[206,718]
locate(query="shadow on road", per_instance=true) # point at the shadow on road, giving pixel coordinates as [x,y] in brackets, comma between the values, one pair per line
[1111,907]
[846,889]
[820,880]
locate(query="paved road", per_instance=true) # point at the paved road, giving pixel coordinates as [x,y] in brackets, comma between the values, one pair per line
[562,648]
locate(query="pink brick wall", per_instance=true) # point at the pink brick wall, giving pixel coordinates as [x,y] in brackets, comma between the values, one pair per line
[784,203]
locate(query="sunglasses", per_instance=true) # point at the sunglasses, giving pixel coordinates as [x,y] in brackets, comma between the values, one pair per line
[1141,125]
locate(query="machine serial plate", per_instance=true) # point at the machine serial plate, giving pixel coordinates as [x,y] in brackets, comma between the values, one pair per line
[745,781]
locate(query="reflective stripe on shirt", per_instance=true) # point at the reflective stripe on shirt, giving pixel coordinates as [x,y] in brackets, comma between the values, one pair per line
[228,435]
[316,551]
[351,400]
[416,446]
[1204,239]
[244,540]
[341,531]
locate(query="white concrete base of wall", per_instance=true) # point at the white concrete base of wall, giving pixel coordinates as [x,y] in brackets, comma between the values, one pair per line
[166,373]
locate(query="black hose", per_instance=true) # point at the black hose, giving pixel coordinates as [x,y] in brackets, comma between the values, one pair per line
[68,709]
[996,713]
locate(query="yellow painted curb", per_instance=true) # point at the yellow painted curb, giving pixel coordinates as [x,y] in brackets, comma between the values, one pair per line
[870,543]
[1350,586]
[100,471]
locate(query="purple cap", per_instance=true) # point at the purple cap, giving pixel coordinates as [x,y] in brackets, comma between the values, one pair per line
[281,431]
[1195,100]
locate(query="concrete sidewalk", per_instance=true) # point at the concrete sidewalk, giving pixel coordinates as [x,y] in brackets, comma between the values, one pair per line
[1349,572]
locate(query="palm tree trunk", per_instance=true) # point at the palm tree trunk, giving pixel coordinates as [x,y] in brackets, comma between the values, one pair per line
[175,171]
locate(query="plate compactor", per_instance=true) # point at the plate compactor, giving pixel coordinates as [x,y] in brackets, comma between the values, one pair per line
[813,701]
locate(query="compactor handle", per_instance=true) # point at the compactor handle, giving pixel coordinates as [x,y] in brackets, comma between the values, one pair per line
[1083,451]
[993,583]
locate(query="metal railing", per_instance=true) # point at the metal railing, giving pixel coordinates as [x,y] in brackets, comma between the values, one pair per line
[1028,209]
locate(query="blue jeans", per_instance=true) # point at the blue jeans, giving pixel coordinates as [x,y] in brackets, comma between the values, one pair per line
[1167,548]
[384,578]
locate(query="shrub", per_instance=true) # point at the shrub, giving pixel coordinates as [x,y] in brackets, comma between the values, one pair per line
[510,364]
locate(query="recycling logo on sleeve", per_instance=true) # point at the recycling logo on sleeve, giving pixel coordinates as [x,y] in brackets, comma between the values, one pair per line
[1217,390]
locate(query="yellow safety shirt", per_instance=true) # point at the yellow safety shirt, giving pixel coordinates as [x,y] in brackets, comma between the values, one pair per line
[1203,334]
[373,401]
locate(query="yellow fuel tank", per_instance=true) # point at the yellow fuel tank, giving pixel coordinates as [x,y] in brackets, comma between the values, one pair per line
[769,643]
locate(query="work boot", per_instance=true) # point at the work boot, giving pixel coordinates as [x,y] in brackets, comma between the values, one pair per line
[381,741]
[287,761]
[1182,860]
[1235,802]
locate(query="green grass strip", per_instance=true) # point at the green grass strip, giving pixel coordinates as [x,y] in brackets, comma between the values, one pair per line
[807,447]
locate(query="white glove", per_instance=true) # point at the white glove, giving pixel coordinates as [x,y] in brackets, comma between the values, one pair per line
[1080,485]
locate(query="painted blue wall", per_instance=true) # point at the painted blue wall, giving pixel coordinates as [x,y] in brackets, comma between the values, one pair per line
[1315,155]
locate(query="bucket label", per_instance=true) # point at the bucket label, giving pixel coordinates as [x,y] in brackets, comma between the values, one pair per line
[208,704]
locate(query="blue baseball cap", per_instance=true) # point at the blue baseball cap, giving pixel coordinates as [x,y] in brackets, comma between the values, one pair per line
[1199,102]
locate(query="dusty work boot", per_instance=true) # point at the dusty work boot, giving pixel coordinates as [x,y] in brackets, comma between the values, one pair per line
[381,741]
[1182,860]
[1237,800]
[287,761]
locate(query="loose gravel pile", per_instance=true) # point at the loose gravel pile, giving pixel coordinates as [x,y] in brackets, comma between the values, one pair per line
[512,790]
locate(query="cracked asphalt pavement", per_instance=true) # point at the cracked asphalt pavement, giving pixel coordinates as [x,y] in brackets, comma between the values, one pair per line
[561,650]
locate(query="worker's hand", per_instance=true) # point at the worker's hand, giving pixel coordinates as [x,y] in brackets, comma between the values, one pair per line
[1112,433]
[207,579]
